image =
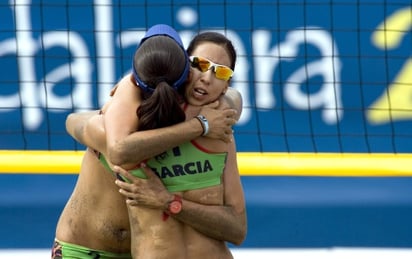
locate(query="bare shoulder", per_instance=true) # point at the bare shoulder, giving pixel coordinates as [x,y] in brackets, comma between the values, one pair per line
[126,92]
[127,82]
[233,99]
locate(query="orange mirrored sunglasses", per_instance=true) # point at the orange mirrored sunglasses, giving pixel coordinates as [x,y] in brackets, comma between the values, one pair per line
[203,64]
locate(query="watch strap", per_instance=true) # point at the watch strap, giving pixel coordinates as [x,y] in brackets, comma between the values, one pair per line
[205,124]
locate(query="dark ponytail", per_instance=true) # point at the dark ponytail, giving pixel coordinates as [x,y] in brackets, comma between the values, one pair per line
[160,62]
[161,109]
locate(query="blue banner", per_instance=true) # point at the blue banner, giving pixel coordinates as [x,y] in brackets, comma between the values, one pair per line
[315,76]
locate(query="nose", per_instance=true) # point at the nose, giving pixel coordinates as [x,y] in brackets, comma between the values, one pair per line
[207,76]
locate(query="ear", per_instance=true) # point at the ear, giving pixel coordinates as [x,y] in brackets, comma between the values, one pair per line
[225,89]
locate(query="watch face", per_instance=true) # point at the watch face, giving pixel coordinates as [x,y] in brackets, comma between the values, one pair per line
[175,207]
[203,118]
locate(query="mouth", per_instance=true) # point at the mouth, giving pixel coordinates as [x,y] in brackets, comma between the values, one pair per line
[200,92]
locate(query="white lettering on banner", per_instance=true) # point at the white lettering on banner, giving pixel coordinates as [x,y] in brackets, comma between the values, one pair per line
[105,48]
[329,97]
[328,66]
[36,94]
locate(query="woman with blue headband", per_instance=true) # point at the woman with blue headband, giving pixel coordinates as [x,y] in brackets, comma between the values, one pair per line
[149,89]
[95,221]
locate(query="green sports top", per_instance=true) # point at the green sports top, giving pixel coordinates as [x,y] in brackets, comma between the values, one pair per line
[185,167]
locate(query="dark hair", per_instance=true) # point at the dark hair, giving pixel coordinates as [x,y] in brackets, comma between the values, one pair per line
[217,38]
[159,62]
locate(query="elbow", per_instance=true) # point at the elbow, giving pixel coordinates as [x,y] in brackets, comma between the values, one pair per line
[239,231]
[68,123]
[122,155]
[240,237]
[75,131]
[116,154]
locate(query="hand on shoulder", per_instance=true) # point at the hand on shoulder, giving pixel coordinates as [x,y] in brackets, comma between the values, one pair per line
[233,100]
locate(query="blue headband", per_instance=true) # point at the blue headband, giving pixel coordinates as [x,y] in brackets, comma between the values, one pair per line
[165,30]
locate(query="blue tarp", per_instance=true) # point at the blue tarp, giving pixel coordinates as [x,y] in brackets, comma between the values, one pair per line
[282,211]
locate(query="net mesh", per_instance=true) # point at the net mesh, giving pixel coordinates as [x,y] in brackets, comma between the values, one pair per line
[315,76]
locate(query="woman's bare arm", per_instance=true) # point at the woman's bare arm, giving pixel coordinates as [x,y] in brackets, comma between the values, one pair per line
[75,126]
[222,222]
[125,146]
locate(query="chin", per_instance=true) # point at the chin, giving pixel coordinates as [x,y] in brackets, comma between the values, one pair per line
[195,101]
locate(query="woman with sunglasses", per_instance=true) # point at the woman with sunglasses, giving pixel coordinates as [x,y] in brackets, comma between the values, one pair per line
[95,222]
[216,219]
[186,202]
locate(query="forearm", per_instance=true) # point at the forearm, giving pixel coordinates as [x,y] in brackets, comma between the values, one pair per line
[142,145]
[216,221]
[221,222]
[75,125]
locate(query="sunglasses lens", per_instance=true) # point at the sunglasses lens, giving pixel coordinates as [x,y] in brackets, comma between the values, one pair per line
[223,73]
[203,64]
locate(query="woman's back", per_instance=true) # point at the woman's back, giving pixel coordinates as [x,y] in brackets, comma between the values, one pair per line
[162,236]
[95,215]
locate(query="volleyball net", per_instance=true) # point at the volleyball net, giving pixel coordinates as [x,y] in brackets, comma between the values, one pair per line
[326,85]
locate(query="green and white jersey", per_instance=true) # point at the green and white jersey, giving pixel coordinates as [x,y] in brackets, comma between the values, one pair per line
[185,167]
